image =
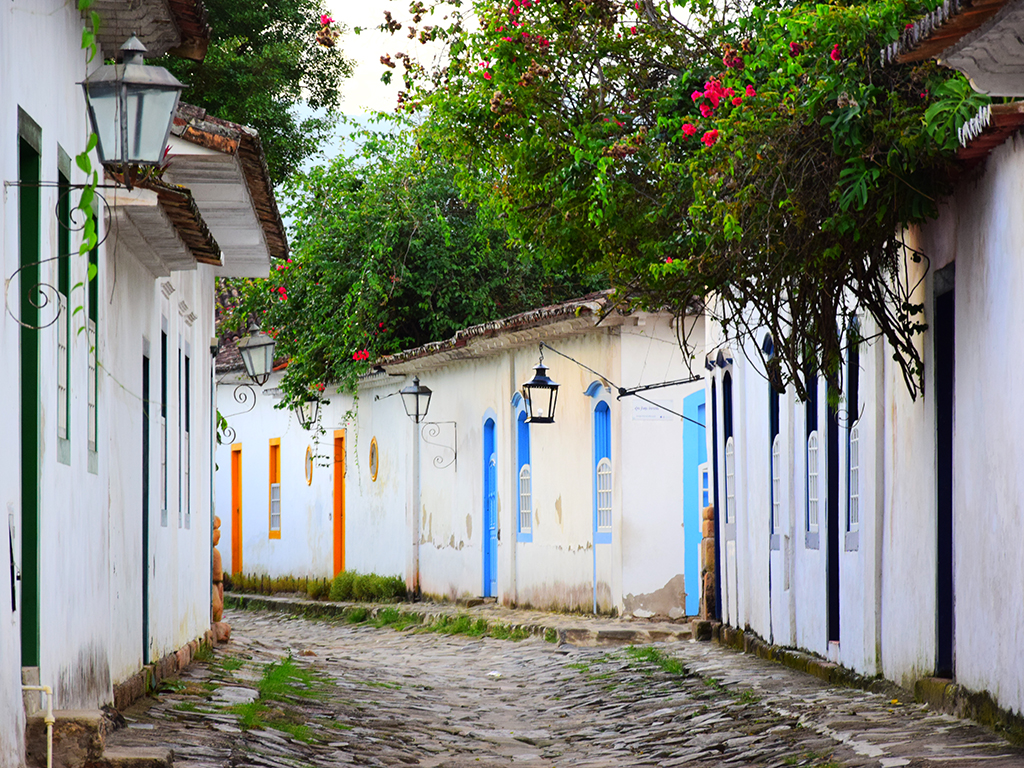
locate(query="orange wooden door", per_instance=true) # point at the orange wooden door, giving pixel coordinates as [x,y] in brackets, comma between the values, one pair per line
[339,501]
[236,508]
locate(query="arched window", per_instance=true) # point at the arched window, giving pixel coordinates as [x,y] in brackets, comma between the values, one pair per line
[776,484]
[525,478]
[602,473]
[730,481]
[853,512]
[812,482]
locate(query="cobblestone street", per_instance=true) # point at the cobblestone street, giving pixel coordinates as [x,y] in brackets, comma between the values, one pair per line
[363,695]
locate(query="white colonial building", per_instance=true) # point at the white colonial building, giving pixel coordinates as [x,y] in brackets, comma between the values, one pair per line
[597,511]
[106,478]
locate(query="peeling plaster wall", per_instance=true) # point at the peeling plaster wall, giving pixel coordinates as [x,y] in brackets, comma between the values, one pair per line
[651,466]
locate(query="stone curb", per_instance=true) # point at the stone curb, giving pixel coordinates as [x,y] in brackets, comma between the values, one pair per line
[939,694]
[552,627]
[829,672]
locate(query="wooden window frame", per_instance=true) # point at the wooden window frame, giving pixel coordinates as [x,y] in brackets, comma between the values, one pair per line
[274,480]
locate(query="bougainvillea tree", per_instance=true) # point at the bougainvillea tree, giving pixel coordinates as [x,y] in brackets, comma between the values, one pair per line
[385,256]
[759,154]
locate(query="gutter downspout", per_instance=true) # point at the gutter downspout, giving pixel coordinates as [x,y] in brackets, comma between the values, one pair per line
[514,453]
[48,719]
[416,511]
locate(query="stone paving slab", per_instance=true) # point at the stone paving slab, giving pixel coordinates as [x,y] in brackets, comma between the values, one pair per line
[425,699]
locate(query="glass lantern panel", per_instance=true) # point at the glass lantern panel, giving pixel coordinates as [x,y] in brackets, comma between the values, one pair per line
[106,121]
[149,120]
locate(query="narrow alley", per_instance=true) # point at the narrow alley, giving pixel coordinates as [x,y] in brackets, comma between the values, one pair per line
[289,691]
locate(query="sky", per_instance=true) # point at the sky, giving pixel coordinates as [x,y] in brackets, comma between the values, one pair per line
[364,92]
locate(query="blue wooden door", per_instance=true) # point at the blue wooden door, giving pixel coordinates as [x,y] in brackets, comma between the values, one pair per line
[490,512]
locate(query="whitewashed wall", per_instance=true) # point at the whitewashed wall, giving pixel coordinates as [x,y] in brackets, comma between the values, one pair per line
[90,517]
[560,567]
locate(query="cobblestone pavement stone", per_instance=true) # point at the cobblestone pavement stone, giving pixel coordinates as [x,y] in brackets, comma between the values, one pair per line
[387,697]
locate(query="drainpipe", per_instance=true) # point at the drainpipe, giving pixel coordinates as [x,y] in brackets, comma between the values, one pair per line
[49,719]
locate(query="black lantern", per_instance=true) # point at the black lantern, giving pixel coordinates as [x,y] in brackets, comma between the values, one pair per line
[257,351]
[131,107]
[540,394]
[416,399]
[308,411]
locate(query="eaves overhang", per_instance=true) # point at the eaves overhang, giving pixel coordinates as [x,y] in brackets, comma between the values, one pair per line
[224,166]
[178,27]
[983,39]
[161,224]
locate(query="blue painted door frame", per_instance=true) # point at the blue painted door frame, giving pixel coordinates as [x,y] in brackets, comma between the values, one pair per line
[695,453]
[490,532]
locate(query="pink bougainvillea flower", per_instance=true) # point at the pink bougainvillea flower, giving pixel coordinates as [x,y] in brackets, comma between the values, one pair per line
[737,101]
[909,25]
[706,110]
[751,93]
[325,19]
[507,39]
[696,96]
[283,293]
[668,260]
[729,93]
[632,30]
[795,49]
[689,129]
[487,75]
[543,42]
[835,55]
[710,137]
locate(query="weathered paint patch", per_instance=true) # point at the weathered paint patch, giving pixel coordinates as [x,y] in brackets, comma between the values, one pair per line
[576,598]
[469,525]
[667,601]
[558,510]
[85,683]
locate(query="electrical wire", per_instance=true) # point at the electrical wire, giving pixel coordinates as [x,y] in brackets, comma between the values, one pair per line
[619,389]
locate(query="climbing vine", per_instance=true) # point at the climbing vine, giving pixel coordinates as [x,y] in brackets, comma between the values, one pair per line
[759,154]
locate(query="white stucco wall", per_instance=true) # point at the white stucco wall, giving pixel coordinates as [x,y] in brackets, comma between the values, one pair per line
[983,229]
[90,516]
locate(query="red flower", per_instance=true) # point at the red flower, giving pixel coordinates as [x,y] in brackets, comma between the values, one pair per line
[710,137]
[487,75]
[632,30]
[751,93]
[668,260]
[910,25]
[706,110]
[325,20]
[737,101]
[696,96]
[795,49]
[283,293]
[835,56]
[689,129]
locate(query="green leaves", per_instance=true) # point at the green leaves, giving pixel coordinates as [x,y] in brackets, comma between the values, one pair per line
[955,102]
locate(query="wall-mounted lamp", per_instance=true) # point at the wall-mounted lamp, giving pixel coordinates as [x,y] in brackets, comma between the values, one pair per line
[416,399]
[308,411]
[131,107]
[257,351]
[540,394]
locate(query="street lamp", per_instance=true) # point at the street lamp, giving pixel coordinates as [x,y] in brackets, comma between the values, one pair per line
[416,399]
[257,351]
[131,107]
[540,394]
[307,411]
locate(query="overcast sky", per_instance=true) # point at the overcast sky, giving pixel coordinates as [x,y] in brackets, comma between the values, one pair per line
[364,92]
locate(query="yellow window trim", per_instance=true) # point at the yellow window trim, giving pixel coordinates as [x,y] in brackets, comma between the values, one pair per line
[274,476]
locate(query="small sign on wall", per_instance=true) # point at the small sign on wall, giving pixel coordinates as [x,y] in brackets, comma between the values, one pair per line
[650,411]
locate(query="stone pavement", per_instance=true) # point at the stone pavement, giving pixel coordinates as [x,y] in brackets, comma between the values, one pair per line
[377,696]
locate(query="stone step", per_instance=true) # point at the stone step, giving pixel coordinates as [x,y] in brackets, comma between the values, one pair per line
[125,757]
